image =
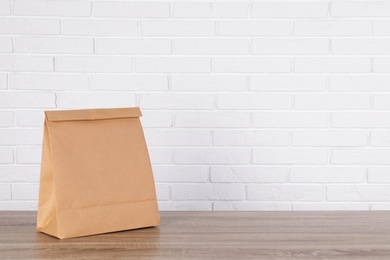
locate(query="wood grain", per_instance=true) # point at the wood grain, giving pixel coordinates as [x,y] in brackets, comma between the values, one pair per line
[212,235]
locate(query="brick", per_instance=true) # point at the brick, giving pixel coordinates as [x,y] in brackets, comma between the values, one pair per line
[332,28]
[176,101]
[130,9]
[250,138]
[52,8]
[211,46]
[361,156]
[162,191]
[289,10]
[128,82]
[327,174]
[133,46]
[330,206]
[6,155]
[53,45]
[156,119]
[3,81]
[251,64]
[381,64]
[27,100]
[178,28]
[291,119]
[180,173]
[6,45]
[21,136]
[250,206]
[361,46]
[210,10]
[98,27]
[208,192]
[25,191]
[104,64]
[30,118]
[185,206]
[381,27]
[29,26]
[332,101]
[48,81]
[95,100]
[212,156]
[5,7]
[332,64]
[172,64]
[329,138]
[254,101]
[28,155]
[381,101]
[205,83]
[282,83]
[171,137]
[359,83]
[26,63]
[285,192]
[19,205]
[289,156]
[160,155]
[248,174]
[7,118]
[360,119]
[212,119]
[19,174]
[366,192]
[5,192]
[380,138]
[290,46]
[360,9]
[254,28]
[378,174]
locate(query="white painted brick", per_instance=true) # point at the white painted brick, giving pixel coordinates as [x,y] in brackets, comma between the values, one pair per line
[7,118]
[361,46]
[25,191]
[250,138]
[254,28]
[290,46]
[381,27]
[95,100]
[208,192]
[29,26]
[360,156]
[156,119]
[380,138]
[212,156]
[129,82]
[329,138]
[359,83]
[208,83]
[5,192]
[286,192]
[358,193]
[332,64]
[289,156]
[176,101]
[360,119]
[378,174]
[180,173]
[251,64]
[40,44]
[293,83]
[289,10]
[250,206]
[52,7]
[6,155]
[160,155]
[93,64]
[172,64]
[133,46]
[19,173]
[21,136]
[30,118]
[381,101]
[332,28]
[48,81]
[381,64]
[98,27]
[212,119]
[379,206]
[5,7]
[330,206]
[29,155]
[178,28]
[26,63]
[254,101]
[248,174]
[27,100]
[19,205]
[130,9]
[210,10]
[327,174]
[173,137]
[183,206]
[162,191]
[5,44]
[211,46]
[332,101]
[360,9]
[291,119]
[3,81]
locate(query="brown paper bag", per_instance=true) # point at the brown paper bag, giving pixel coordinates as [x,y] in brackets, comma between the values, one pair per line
[96,175]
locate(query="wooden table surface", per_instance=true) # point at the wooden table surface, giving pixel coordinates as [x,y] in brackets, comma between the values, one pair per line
[212,235]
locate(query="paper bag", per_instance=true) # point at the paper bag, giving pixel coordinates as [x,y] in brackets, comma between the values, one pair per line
[96,175]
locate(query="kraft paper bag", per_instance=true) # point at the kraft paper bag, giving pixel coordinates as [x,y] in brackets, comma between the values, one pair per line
[96,175]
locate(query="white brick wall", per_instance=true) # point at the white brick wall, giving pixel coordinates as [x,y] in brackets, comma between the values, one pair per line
[247,105]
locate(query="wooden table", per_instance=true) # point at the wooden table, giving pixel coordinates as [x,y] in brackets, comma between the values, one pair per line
[212,235]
